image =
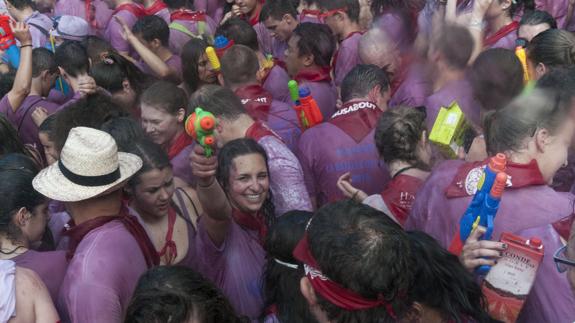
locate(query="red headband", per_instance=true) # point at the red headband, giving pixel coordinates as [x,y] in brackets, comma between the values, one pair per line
[332,291]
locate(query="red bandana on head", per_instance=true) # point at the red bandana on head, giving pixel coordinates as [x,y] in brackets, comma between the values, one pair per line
[188,15]
[180,144]
[320,74]
[356,118]
[330,290]
[256,100]
[156,7]
[495,37]
[134,8]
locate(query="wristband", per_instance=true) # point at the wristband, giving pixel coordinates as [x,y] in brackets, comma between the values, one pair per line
[27,45]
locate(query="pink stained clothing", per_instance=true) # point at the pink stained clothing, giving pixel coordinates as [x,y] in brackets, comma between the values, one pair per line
[286,175]
[49,265]
[70,8]
[236,267]
[413,89]
[264,38]
[214,8]
[181,165]
[398,28]
[321,87]
[527,211]
[174,63]
[102,16]
[276,82]
[278,48]
[346,57]
[113,32]
[557,9]
[101,276]
[310,16]
[22,121]
[178,39]
[459,91]
[507,42]
[40,26]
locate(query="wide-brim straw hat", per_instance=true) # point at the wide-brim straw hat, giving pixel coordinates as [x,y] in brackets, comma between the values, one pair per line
[89,166]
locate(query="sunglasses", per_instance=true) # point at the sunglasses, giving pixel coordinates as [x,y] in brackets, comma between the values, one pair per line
[561,260]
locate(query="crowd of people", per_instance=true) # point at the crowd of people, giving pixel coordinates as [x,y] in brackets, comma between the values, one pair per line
[112,210]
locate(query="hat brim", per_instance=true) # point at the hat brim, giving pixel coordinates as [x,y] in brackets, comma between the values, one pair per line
[51,183]
[55,33]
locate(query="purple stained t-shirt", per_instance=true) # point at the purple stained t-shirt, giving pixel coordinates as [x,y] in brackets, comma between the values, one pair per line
[214,8]
[178,38]
[414,89]
[49,265]
[102,16]
[283,120]
[22,118]
[278,48]
[113,33]
[174,63]
[507,42]
[40,26]
[264,38]
[101,276]
[181,165]
[324,161]
[459,91]
[276,83]
[346,57]
[325,94]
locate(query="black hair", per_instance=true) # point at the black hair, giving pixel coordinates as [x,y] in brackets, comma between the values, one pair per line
[47,126]
[455,43]
[351,243]
[442,283]
[176,293]
[43,60]
[153,27]
[362,79]
[537,17]
[496,78]
[125,130]
[226,156]
[191,53]
[166,96]
[553,47]
[518,5]
[16,174]
[96,47]
[9,140]
[380,6]
[7,81]
[152,155]
[317,40]
[281,283]
[177,4]
[351,7]
[72,57]
[559,79]
[277,9]
[91,111]
[111,72]
[220,101]
[239,65]
[240,31]
[22,4]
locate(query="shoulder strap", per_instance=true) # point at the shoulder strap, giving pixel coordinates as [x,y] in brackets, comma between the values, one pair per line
[186,216]
[181,28]
[40,28]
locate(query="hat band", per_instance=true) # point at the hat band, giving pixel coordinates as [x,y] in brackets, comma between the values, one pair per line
[82,180]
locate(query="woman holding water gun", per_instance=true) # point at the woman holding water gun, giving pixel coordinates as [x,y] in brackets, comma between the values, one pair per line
[534,133]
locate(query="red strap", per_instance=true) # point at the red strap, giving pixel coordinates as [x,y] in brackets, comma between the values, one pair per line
[136,9]
[156,7]
[170,249]
[495,37]
[188,15]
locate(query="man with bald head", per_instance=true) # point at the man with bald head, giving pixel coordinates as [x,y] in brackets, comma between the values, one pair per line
[409,84]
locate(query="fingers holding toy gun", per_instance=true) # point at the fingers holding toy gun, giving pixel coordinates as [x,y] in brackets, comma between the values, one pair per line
[203,168]
[480,252]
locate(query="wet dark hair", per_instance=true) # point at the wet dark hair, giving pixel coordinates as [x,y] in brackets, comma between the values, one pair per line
[553,47]
[125,130]
[22,4]
[351,7]
[517,5]
[166,96]
[111,72]
[96,47]
[442,283]
[7,81]
[43,60]
[191,53]
[559,79]
[352,243]
[220,101]
[455,44]
[239,66]
[281,283]
[91,111]
[380,6]
[152,27]
[240,31]
[317,40]
[398,133]
[152,155]
[226,156]
[362,79]
[16,174]
[176,293]
[72,57]
[496,78]
[47,126]
[507,128]
[177,4]
[277,9]
[536,17]
[9,140]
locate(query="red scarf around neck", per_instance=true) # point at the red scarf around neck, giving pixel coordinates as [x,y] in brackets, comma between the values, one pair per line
[252,222]
[316,74]
[76,233]
[170,250]
[468,175]
[356,118]
[255,17]
[180,144]
[156,7]
[495,37]
[259,130]
[136,9]
[187,15]
[257,101]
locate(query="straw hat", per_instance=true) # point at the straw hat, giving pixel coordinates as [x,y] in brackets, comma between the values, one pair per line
[89,165]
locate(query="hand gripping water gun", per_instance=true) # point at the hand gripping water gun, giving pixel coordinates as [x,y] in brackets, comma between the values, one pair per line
[8,43]
[306,107]
[200,125]
[213,58]
[483,206]
[522,56]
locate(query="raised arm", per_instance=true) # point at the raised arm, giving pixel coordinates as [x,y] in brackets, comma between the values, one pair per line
[212,197]
[23,81]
